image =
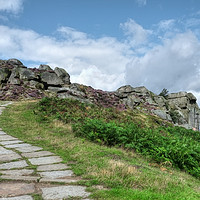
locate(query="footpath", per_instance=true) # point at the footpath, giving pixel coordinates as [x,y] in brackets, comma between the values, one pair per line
[27,170]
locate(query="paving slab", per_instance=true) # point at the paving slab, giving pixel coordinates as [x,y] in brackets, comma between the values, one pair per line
[28,149]
[16,189]
[11,142]
[56,174]
[7,137]
[25,197]
[17,172]
[9,157]
[21,178]
[45,160]
[14,146]
[53,180]
[12,165]
[37,154]
[2,132]
[62,192]
[52,167]
[4,151]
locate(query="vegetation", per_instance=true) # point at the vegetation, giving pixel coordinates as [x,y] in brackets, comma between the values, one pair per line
[174,145]
[164,93]
[83,136]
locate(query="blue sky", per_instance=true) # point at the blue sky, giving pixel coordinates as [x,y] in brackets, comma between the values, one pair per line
[108,43]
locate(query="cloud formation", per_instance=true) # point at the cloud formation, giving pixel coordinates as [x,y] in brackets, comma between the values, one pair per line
[172,61]
[11,6]
[102,61]
[136,34]
[175,65]
[141,2]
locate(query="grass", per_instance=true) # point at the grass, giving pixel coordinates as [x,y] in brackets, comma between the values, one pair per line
[123,173]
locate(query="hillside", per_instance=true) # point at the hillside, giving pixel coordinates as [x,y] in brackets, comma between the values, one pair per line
[130,141]
[120,154]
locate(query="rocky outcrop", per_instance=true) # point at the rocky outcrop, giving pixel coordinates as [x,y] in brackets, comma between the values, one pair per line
[19,82]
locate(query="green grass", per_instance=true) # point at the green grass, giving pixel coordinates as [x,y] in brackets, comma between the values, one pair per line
[124,173]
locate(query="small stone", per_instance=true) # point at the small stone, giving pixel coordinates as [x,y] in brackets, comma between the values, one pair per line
[53,167]
[16,189]
[12,165]
[13,146]
[45,160]
[56,174]
[7,137]
[37,154]
[9,157]
[62,192]
[20,178]
[18,172]
[25,197]
[28,149]
[11,142]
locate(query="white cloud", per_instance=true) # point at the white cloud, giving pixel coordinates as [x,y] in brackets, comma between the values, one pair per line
[72,34]
[95,77]
[174,65]
[135,33]
[141,2]
[13,6]
[77,53]
[166,24]
[106,63]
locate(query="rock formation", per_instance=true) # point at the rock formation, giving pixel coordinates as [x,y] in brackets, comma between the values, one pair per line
[19,82]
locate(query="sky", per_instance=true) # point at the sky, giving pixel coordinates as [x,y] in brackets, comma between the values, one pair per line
[108,43]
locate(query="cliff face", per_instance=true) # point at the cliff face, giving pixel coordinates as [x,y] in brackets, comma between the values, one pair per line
[19,82]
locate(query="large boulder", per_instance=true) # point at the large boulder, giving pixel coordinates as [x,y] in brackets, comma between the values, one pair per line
[162,114]
[63,75]
[45,68]
[4,75]
[14,77]
[14,62]
[50,79]
[27,74]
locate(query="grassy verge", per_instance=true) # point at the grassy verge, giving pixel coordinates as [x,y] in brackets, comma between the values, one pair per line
[124,174]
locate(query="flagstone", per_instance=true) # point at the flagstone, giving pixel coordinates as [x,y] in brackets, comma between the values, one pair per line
[20,178]
[60,180]
[9,157]
[14,146]
[56,174]
[18,172]
[37,154]
[15,189]
[11,142]
[25,197]
[52,167]
[12,165]
[2,132]
[62,192]
[28,149]
[7,137]
[45,160]
[4,151]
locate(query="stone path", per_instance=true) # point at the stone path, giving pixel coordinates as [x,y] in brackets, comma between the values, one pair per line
[26,170]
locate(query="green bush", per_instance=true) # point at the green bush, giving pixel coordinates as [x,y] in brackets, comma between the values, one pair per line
[176,145]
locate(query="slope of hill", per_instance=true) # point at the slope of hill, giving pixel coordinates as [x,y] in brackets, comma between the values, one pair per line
[106,146]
